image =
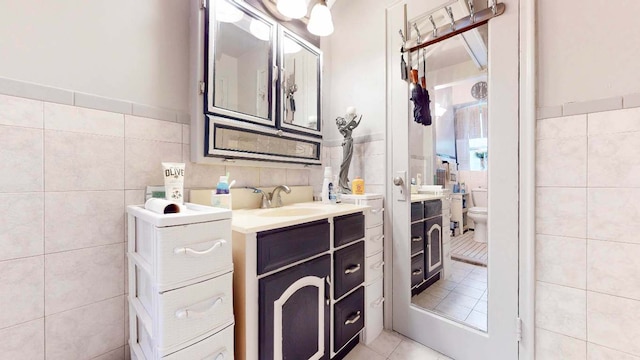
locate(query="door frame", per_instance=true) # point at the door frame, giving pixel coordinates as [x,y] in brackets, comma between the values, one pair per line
[527,126]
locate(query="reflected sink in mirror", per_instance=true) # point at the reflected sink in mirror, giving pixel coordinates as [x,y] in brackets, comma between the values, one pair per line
[298,211]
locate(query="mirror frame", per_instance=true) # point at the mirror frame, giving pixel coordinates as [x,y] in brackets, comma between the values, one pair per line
[210,51]
[283,32]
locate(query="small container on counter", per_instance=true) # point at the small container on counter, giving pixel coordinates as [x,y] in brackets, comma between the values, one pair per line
[358,186]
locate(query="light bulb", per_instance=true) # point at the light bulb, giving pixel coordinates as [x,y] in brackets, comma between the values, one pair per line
[260,30]
[320,22]
[227,13]
[294,9]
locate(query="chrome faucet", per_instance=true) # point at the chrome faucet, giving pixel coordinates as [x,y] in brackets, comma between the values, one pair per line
[272,199]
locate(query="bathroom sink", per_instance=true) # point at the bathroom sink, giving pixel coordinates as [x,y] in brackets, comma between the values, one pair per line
[298,211]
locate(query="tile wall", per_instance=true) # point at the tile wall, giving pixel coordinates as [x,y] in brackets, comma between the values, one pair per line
[69,173]
[587,249]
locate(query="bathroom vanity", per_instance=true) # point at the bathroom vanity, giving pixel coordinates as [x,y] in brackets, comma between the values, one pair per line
[298,280]
[430,251]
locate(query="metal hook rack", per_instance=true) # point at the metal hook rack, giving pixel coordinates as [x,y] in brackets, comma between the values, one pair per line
[459,26]
[472,15]
[404,40]
[419,39]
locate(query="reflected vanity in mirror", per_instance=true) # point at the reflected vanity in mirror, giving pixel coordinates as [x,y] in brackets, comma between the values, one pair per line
[263,88]
[449,226]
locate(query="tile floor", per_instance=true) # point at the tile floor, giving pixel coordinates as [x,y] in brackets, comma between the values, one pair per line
[393,346]
[461,296]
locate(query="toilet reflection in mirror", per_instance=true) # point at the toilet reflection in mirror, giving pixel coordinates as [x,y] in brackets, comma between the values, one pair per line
[449,235]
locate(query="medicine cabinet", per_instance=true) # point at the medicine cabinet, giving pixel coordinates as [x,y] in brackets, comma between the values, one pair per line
[262,88]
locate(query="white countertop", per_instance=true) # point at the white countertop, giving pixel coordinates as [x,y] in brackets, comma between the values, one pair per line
[255,220]
[425,197]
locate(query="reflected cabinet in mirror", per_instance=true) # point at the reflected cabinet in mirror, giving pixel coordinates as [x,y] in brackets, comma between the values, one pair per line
[262,79]
[449,239]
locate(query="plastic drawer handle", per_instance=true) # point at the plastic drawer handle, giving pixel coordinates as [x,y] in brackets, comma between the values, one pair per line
[352,269]
[353,320]
[190,313]
[417,272]
[377,302]
[377,265]
[375,211]
[220,354]
[416,238]
[190,251]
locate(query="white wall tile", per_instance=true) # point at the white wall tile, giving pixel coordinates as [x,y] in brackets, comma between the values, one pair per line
[200,175]
[597,352]
[24,341]
[85,332]
[81,277]
[21,159]
[273,177]
[21,290]
[17,111]
[154,112]
[117,354]
[143,161]
[75,161]
[561,211]
[561,260]
[80,219]
[374,167]
[244,176]
[297,177]
[612,214]
[550,345]
[562,127]
[613,160]
[149,129]
[21,228]
[613,322]
[102,103]
[617,121]
[561,309]
[186,135]
[376,147]
[561,162]
[613,268]
[83,120]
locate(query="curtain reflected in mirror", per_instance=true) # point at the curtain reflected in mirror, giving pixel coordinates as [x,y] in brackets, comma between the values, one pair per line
[449,166]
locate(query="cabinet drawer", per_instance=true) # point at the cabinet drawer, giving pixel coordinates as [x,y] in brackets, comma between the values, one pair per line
[277,248]
[374,241]
[373,321]
[432,208]
[349,269]
[349,316]
[375,268]
[348,228]
[216,347]
[417,237]
[191,311]
[375,216]
[187,252]
[417,269]
[417,211]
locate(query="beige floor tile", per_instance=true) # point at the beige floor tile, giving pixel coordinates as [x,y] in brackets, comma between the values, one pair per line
[411,350]
[385,343]
[361,352]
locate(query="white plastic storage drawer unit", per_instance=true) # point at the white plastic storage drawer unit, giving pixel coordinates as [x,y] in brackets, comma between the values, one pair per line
[180,283]
[374,244]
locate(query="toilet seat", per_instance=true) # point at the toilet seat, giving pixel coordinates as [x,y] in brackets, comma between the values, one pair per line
[478,210]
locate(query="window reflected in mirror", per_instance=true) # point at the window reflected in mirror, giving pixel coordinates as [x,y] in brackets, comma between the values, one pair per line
[449,164]
[244,141]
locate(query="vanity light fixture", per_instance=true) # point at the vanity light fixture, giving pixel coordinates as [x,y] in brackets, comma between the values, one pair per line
[294,9]
[227,13]
[260,30]
[320,21]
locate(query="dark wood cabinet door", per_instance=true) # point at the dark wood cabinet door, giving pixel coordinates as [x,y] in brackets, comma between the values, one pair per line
[348,228]
[348,266]
[294,316]
[349,318]
[433,246]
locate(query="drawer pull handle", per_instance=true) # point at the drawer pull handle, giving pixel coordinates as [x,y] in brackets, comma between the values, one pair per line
[417,272]
[375,211]
[353,319]
[352,269]
[377,302]
[220,354]
[416,238]
[377,265]
[190,251]
[190,313]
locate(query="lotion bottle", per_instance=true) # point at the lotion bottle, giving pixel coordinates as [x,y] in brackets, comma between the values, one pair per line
[326,184]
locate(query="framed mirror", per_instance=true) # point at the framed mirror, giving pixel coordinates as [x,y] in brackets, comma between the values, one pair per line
[241,63]
[300,88]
